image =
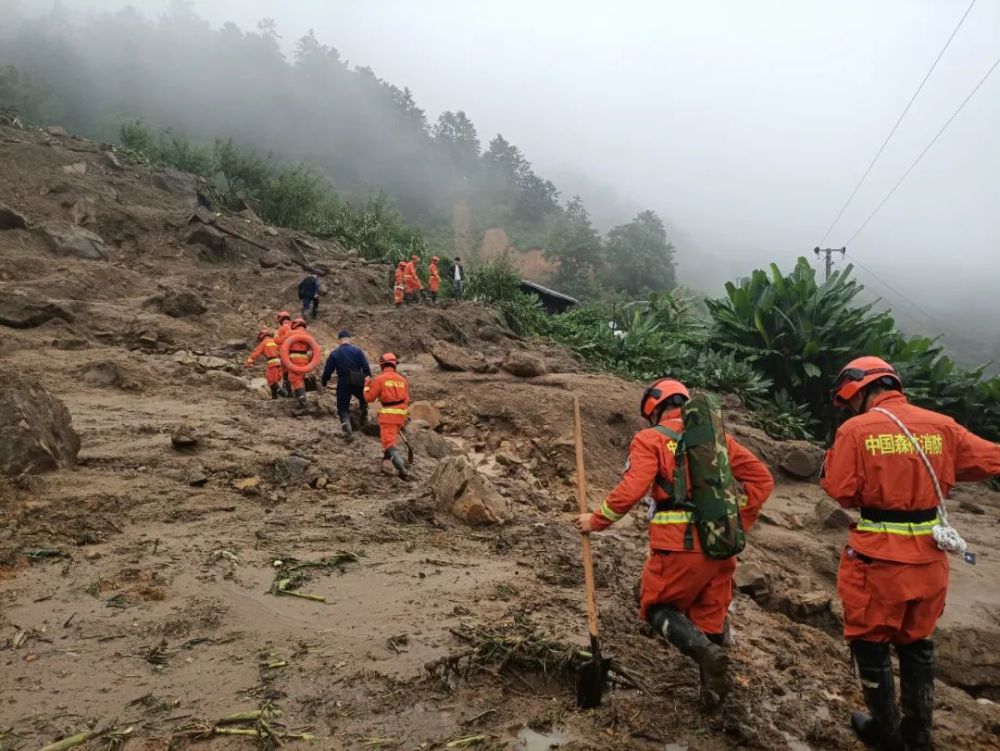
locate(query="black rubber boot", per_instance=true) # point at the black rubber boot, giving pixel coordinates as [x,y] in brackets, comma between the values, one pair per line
[363,414]
[880,727]
[398,462]
[916,693]
[275,391]
[345,424]
[300,396]
[286,385]
[692,642]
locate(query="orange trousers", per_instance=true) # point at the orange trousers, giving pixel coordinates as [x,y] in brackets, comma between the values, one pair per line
[397,295]
[388,432]
[886,601]
[274,374]
[699,587]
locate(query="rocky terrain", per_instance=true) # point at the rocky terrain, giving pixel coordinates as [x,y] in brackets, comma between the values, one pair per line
[176,548]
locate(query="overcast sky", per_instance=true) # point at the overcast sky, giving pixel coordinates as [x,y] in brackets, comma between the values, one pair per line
[745,124]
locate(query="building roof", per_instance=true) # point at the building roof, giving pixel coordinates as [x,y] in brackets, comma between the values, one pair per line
[539,289]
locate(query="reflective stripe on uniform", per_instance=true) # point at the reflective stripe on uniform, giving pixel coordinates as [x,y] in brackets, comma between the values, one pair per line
[608,513]
[274,361]
[671,517]
[298,356]
[908,529]
[392,411]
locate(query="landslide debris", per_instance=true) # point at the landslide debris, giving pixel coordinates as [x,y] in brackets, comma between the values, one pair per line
[36,430]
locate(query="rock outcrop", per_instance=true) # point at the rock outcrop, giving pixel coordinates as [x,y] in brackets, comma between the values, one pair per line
[36,430]
[458,488]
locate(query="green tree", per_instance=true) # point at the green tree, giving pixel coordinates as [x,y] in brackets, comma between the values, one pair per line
[576,246]
[456,135]
[639,257]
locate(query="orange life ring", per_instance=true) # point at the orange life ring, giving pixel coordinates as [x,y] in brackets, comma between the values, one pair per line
[314,353]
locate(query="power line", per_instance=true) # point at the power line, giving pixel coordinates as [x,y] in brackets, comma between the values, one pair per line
[943,328]
[926,149]
[894,127]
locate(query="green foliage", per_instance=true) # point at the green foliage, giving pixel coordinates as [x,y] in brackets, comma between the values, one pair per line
[799,334]
[497,281]
[576,246]
[168,149]
[293,196]
[639,257]
[782,418]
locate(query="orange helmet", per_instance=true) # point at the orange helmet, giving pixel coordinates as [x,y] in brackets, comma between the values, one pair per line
[859,373]
[659,392]
[414,257]
[435,258]
[299,323]
[387,359]
[263,334]
[284,316]
[401,264]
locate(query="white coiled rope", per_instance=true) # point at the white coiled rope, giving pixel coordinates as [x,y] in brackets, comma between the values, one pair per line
[946,536]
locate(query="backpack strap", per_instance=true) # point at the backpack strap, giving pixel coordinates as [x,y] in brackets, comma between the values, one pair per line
[662,482]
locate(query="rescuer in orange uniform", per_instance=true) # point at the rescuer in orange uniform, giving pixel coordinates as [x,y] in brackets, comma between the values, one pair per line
[397,286]
[269,348]
[684,594]
[298,352]
[434,281]
[283,330]
[411,279]
[284,326]
[393,391]
[893,577]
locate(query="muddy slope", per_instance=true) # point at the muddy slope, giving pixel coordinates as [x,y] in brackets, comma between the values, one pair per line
[142,588]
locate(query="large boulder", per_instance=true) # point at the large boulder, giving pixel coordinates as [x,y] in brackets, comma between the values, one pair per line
[36,431]
[10,219]
[425,440]
[274,258]
[427,412]
[968,656]
[458,488]
[66,239]
[451,358]
[21,311]
[523,364]
[801,459]
[181,303]
[831,515]
[175,182]
[290,470]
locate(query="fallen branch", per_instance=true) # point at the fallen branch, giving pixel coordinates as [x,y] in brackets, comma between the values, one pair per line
[252,716]
[80,738]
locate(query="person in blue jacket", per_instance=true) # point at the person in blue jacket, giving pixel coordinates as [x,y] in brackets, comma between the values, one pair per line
[309,295]
[352,368]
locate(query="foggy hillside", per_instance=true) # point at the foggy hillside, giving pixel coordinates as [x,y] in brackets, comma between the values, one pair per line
[742,171]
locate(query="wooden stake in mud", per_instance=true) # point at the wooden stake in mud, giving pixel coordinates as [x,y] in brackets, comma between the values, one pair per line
[594,673]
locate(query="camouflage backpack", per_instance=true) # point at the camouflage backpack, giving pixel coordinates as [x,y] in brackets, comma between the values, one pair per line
[712,498]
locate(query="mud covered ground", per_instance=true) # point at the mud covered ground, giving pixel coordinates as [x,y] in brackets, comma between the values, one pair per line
[136,588]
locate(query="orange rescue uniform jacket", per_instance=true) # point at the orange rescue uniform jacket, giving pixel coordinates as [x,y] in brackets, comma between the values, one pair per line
[873,465]
[652,454]
[269,349]
[435,278]
[410,278]
[393,390]
[283,331]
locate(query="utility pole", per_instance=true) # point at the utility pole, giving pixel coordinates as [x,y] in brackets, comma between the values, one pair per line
[829,257]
